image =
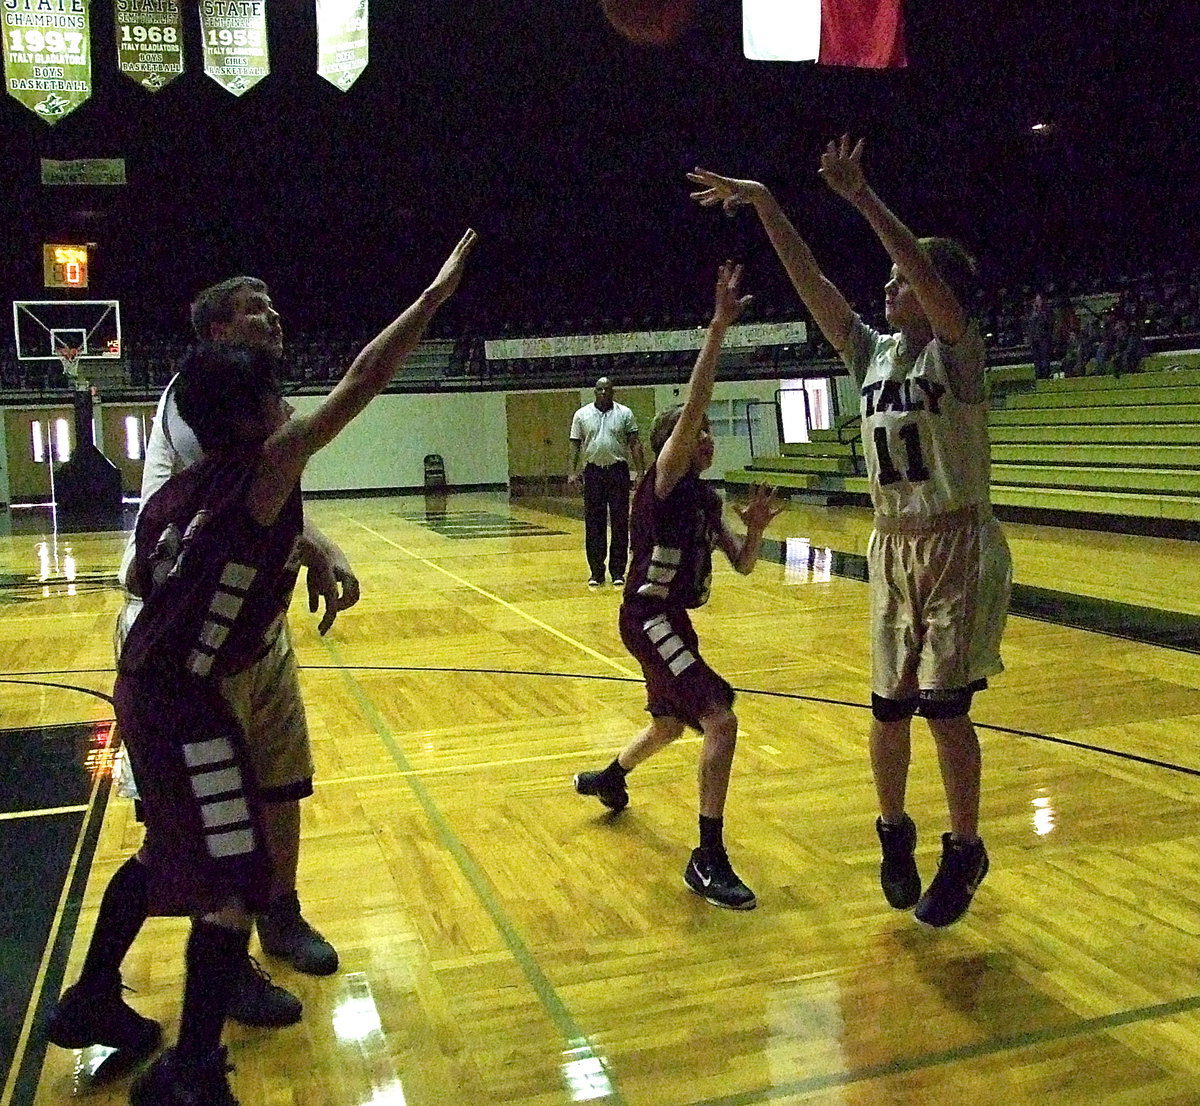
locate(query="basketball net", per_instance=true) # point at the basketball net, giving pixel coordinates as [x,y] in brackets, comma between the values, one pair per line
[69,357]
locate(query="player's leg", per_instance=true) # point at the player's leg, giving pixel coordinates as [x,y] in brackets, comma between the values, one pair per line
[960,762]
[966,612]
[196,1069]
[964,860]
[204,847]
[92,1010]
[709,872]
[608,784]
[704,699]
[891,745]
[891,754]
[640,636]
[267,698]
[894,650]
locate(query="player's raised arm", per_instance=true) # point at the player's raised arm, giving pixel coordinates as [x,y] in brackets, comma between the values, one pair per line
[676,455]
[842,170]
[288,448]
[825,303]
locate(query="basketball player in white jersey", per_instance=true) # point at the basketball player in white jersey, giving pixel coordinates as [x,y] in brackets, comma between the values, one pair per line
[940,570]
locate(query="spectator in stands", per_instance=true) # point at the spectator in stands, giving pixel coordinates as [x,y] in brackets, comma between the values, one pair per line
[1039,333]
[1127,349]
[1066,323]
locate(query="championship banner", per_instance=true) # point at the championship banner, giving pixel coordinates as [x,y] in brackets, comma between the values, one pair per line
[47,55]
[235,42]
[149,41]
[342,41]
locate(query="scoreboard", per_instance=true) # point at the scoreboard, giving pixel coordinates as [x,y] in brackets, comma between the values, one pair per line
[65,266]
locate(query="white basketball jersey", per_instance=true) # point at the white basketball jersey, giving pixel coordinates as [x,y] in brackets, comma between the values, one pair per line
[927,451]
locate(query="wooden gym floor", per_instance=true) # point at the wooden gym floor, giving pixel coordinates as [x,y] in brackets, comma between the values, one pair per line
[503,941]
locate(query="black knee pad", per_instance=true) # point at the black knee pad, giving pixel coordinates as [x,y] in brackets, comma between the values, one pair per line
[946,704]
[892,710]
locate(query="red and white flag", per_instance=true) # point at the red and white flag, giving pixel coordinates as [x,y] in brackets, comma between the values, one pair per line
[868,34]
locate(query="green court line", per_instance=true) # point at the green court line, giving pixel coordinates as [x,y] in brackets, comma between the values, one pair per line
[996,1045]
[579,1046]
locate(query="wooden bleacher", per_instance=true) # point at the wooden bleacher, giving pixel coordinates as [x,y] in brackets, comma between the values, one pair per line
[1124,446]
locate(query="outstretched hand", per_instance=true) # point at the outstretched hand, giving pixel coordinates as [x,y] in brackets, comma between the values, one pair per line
[841,168]
[728,303]
[763,506]
[451,272]
[729,192]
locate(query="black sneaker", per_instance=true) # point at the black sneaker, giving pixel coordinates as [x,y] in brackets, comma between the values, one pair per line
[898,875]
[258,1002]
[284,933]
[170,1081]
[710,875]
[87,1016]
[960,872]
[615,797]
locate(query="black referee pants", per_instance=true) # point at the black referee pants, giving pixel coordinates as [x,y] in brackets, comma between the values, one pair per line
[605,510]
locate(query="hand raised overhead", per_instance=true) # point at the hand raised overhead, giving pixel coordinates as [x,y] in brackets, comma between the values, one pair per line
[451,272]
[729,192]
[841,168]
[728,304]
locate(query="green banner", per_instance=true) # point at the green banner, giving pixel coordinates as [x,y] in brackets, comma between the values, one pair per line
[149,41]
[342,41]
[91,170]
[47,55]
[235,42]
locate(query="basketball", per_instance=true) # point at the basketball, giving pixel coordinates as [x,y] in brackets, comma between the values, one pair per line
[648,22]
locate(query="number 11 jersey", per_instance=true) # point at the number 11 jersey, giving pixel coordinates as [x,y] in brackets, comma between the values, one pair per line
[924,422]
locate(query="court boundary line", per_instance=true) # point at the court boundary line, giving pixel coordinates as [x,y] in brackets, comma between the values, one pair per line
[578,1043]
[29,1055]
[45,812]
[512,607]
[996,1046]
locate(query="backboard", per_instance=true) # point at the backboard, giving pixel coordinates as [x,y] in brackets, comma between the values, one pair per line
[41,328]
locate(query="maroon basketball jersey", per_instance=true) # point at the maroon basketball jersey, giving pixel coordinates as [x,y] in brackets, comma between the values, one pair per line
[214,583]
[671,543]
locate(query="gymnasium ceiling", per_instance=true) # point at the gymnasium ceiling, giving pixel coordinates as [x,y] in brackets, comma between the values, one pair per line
[566,149]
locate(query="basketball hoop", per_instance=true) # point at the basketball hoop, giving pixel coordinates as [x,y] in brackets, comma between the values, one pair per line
[68,356]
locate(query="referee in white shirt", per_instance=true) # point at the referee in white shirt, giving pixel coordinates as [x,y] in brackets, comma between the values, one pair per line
[605,434]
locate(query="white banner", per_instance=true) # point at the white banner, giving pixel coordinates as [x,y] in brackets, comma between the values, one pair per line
[47,55]
[781,30]
[149,41]
[745,336]
[235,43]
[342,41]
